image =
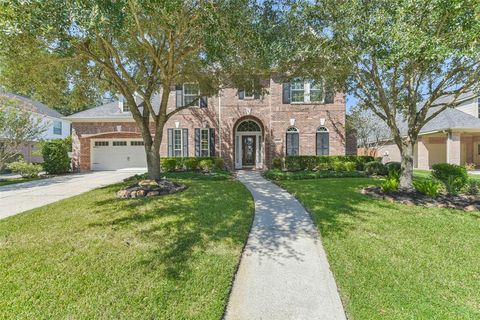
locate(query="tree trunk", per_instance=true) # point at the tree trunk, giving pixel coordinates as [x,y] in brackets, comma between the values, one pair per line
[153,164]
[406,172]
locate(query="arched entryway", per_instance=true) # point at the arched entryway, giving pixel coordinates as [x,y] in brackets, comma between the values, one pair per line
[249,144]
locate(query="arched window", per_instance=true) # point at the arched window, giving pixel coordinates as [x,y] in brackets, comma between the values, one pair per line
[292,142]
[248,125]
[323,141]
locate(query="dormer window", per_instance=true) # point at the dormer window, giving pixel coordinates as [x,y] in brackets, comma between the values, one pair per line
[125,107]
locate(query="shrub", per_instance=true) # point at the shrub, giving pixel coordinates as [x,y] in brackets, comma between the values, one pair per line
[322,166]
[55,156]
[428,187]
[277,163]
[190,164]
[473,187]
[25,169]
[168,164]
[453,177]
[293,163]
[391,184]
[375,167]
[350,166]
[276,174]
[393,167]
[308,162]
[206,165]
[338,166]
[219,163]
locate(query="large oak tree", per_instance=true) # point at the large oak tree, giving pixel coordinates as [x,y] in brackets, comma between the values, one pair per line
[138,47]
[398,58]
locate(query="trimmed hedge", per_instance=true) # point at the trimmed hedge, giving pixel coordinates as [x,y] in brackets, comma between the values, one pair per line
[375,167]
[453,177]
[172,164]
[276,174]
[311,163]
[55,155]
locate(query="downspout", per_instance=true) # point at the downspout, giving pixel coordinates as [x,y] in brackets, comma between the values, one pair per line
[220,122]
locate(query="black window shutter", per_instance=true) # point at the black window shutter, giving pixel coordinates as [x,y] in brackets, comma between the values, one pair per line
[203,102]
[179,96]
[185,142]
[286,93]
[197,142]
[212,142]
[170,142]
[241,94]
[329,95]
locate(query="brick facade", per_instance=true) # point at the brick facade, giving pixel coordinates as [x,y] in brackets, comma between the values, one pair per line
[224,112]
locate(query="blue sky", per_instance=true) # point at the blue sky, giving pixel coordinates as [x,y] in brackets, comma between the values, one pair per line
[351,101]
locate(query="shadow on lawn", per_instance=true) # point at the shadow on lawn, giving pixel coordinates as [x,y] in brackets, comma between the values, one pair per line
[177,226]
[330,200]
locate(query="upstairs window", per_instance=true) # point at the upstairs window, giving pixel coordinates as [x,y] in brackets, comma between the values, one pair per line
[57,127]
[292,142]
[188,94]
[125,107]
[305,91]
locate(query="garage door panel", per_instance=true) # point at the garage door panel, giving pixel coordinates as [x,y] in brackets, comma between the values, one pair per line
[116,154]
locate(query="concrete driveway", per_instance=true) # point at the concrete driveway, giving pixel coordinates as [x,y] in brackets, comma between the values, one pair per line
[20,197]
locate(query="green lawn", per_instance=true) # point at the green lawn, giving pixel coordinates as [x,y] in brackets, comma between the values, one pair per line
[4,182]
[96,257]
[393,261]
[425,174]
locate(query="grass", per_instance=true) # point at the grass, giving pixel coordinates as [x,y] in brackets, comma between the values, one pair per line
[393,261]
[420,174]
[5,182]
[96,257]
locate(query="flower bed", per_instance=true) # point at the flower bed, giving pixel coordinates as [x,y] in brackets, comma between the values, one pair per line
[462,202]
[151,188]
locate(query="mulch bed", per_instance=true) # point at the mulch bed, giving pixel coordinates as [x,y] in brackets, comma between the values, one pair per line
[462,202]
[151,188]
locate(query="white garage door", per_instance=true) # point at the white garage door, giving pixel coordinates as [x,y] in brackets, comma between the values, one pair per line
[113,154]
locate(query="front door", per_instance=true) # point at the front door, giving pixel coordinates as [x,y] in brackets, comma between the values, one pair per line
[248,150]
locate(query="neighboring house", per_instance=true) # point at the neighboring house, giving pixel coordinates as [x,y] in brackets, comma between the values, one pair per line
[248,130]
[451,137]
[55,124]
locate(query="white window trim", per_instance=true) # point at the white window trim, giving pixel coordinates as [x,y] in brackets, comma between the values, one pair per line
[306,93]
[191,95]
[181,142]
[208,141]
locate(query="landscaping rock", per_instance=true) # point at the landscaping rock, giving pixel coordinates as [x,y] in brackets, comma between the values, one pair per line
[150,188]
[460,202]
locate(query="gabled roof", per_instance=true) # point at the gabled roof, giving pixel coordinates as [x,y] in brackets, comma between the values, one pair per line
[33,106]
[110,110]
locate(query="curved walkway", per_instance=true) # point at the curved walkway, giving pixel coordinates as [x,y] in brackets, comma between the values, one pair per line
[284,273]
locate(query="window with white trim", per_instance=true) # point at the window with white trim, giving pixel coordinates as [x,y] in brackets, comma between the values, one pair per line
[101,143]
[177,143]
[306,91]
[57,127]
[205,142]
[191,94]
[125,107]
[292,142]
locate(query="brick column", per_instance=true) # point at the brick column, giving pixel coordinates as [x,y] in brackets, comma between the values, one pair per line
[453,148]
[422,153]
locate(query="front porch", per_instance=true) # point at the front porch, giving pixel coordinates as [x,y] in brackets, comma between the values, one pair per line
[447,147]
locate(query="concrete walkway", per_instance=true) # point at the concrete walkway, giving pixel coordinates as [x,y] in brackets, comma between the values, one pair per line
[16,198]
[284,273]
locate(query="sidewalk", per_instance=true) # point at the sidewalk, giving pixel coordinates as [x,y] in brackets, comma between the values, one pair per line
[284,273]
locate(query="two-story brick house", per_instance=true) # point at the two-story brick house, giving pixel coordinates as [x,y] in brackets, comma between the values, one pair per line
[248,130]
